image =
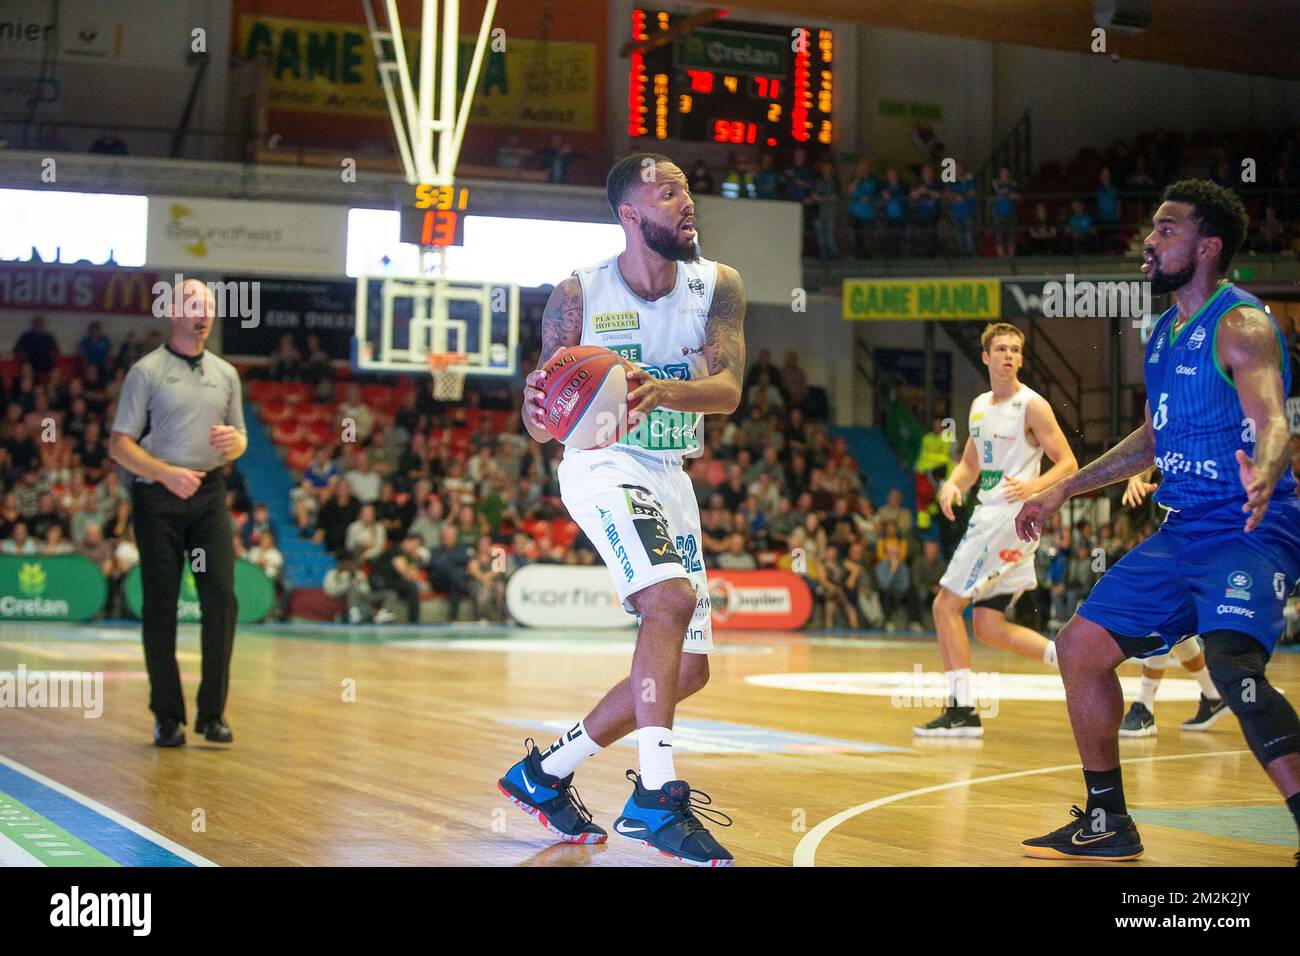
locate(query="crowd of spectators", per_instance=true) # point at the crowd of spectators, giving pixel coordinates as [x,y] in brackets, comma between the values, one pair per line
[939,207]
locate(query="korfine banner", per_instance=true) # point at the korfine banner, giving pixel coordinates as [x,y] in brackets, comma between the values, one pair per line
[254,594]
[565,596]
[208,235]
[562,595]
[63,587]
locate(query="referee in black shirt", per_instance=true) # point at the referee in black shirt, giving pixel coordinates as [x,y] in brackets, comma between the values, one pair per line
[179,419]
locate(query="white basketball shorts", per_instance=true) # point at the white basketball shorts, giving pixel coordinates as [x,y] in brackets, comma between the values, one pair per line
[991,561]
[644,521]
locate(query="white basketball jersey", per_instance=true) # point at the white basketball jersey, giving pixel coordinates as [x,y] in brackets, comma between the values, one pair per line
[1004,450]
[665,337]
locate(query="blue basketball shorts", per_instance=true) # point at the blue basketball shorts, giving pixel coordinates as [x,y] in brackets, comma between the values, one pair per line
[1203,574]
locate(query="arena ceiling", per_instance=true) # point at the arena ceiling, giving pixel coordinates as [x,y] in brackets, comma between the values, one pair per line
[1242,36]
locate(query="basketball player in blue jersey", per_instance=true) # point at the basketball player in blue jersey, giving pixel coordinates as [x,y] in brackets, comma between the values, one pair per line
[679,318]
[1227,555]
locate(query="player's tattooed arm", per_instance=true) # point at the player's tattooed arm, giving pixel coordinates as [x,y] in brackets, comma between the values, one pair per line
[562,318]
[724,350]
[561,327]
[1132,456]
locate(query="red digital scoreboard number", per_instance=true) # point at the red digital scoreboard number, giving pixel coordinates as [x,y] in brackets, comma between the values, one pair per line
[739,84]
[436,217]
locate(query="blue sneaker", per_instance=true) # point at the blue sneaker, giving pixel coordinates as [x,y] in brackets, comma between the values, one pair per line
[551,800]
[665,820]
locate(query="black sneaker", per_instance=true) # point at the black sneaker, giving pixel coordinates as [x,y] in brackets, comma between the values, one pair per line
[953,722]
[1110,836]
[168,733]
[553,801]
[665,820]
[1138,722]
[1208,713]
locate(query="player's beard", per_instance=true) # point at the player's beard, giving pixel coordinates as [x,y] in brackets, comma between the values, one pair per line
[1163,282]
[667,243]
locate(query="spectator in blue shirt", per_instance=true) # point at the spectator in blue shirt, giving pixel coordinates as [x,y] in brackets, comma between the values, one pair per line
[1005,198]
[95,348]
[1107,210]
[798,177]
[893,197]
[962,195]
[925,197]
[767,181]
[862,209]
[1080,228]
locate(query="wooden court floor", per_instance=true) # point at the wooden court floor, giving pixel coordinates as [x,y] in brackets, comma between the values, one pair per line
[364,746]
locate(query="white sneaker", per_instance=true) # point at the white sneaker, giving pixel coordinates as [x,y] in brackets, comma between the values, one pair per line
[354,615]
[384,616]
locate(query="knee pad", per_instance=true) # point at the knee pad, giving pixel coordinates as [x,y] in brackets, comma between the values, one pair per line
[1268,720]
[1236,662]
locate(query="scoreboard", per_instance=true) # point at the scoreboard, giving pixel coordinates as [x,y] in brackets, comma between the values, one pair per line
[748,84]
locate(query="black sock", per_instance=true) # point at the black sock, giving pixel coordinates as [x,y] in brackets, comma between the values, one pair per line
[1105,790]
[1293,804]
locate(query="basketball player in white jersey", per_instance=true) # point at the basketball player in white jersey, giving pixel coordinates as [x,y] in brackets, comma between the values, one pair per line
[1011,427]
[679,318]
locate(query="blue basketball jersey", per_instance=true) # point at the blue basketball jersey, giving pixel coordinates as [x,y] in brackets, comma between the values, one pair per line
[1197,417]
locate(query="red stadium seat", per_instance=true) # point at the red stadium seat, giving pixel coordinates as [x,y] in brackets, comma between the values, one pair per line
[314,604]
[500,419]
[259,389]
[287,432]
[299,456]
[275,411]
[295,391]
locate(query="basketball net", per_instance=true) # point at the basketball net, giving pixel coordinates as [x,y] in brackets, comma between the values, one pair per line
[448,381]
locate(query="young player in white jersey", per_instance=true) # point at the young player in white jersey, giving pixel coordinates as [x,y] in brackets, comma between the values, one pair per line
[680,318]
[1011,427]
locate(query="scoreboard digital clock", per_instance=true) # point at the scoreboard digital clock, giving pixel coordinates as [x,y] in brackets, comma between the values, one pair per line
[435,215]
[748,84]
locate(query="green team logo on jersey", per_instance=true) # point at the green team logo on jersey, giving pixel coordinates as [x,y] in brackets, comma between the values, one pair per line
[665,430]
[630,352]
[989,479]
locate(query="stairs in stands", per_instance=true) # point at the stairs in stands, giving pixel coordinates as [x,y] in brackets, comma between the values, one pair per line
[880,465]
[267,478]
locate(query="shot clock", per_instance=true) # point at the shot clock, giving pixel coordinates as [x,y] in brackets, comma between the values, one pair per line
[435,215]
[749,84]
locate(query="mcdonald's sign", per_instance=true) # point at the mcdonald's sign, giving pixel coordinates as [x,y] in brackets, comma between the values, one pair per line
[128,292]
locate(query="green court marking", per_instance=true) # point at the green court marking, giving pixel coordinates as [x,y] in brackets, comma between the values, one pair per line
[47,842]
[1273,825]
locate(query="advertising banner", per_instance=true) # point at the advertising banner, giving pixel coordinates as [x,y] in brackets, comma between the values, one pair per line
[565,596]
[227,234]
[298,308]
[562,595]
[254,593]
[64,587]
[318,66]
[48,288]
[762,600]
[873,299]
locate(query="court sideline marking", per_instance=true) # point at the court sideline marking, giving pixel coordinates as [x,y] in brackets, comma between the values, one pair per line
[139,829]
[805,853]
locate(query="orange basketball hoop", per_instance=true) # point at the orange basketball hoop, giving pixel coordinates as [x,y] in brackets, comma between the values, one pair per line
[447,369]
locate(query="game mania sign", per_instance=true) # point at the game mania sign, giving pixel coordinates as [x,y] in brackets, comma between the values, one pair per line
[902,299]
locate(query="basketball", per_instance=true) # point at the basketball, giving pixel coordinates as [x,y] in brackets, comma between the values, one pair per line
[586,393]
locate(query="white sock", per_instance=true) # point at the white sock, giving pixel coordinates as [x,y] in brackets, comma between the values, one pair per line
[1185,652]
[1049,654]
[1147,695]
[656,746]
[573,747]
[959,686]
